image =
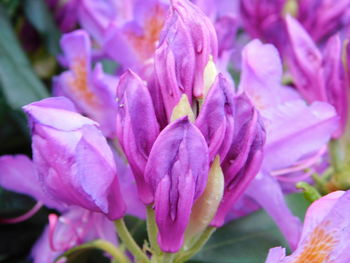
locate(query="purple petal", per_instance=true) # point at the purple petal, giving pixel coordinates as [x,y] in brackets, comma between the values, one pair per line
[175,63]
[18,174]
[312,128]
[74,162]
[305,62]
[137,127]
[335,78]
[265,190]
[326,230]
[186,43]
[244,158]
[216,118]
[276,255]
[177,170]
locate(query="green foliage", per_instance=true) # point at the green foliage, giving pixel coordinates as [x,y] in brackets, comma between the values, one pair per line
[18,82]
[39,16]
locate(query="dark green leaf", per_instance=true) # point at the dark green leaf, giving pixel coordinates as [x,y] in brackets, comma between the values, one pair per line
[137,229]
[39,16]
[18,82]
[247,240]
[10,6]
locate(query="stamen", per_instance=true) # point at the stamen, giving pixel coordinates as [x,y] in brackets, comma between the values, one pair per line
[23,217]
[293,179]
[301,165]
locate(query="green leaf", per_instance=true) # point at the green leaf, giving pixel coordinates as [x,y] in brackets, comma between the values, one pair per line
[18,82]
[248,239]
[137,229]
[11,6]
[39,16]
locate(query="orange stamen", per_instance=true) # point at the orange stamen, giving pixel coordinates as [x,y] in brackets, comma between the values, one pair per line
[80,81]
[318,247]
[146,44]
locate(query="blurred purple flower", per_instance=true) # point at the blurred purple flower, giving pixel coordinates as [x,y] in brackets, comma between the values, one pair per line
[286,144]
[74,227]
[318,76]
[91,91]
[126,31]
[65,13]
[323,18]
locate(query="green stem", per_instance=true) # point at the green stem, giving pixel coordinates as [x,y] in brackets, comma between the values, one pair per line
[106,246]
[197,246]
[152,230]
[335,154]
[310,192]
[168,258]
[129,242]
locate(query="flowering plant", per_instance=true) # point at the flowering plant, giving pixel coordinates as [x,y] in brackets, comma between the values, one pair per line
[175,131]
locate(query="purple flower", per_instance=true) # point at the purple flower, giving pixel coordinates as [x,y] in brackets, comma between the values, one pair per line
[91,91]
[65,13]
[286,145]
[18,174]
[216,118]
[72,158]
[127,31]
[322,18]
[263,19]
[318,76]
[187,42]
[177,170]
[244,157]
[74,227]
[137,127]
[325,236]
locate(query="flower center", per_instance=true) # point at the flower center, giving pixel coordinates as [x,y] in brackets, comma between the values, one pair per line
[318,247]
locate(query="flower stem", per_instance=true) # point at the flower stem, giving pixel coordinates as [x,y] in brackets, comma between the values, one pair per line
[106,246]
[129,242]
[197,246]
[335,154]
[152,230]
[168,258]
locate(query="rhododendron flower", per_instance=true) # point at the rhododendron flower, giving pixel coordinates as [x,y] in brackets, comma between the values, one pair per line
[181,70]
[126,31]
[279,106]
[137,127]
[326,232]
[75,226]
[72,158]
[318,76]
[177,170]
[92,91]
[244,157]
